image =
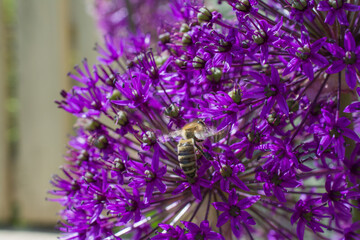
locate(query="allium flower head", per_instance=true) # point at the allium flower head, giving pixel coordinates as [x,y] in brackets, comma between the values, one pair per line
[235,124]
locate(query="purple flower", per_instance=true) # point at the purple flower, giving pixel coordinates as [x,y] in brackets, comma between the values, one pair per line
[149,176]
[203,232]
[301,9]
[170,233]
[234,211]
[308,213]
[336,9]
[337,197]
[350,59]
[275,183]
[332,131]
[305,54]
[270,89]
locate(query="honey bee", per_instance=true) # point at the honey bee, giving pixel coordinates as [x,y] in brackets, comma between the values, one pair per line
[191,134]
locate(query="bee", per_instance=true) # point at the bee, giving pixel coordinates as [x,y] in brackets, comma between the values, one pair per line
[191,134]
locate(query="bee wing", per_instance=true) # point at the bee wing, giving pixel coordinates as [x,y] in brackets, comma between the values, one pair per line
[170,136]
[210,131]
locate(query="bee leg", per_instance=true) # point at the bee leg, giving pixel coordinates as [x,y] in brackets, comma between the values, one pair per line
[205,154]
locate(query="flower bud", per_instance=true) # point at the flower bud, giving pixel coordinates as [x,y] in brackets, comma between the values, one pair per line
[198,62]
[204,15]
[91,125]
[149,138]
[121,118]
[118,165]
[172,110]
[235,94]
[224,46]
[116,95]
[215,76]
[110,81]
[186,39]
[350,57]
[184,28]
[164,37]
[100,142]
[89,177]
[243,6]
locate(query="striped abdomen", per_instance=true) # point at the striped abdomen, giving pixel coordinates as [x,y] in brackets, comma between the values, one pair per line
[187,157]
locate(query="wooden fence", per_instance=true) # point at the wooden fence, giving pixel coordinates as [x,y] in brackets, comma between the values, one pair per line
[50,37]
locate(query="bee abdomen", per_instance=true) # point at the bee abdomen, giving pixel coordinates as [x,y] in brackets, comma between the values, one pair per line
[187,157]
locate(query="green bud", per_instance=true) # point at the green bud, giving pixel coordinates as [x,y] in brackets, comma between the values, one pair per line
[89,177]
[273,119]
[121,118]
[204,15]
[198,62]
[186,39]
[243,6]
[235,94]
[118,165]
[224,45]
[184,28]
[350,57]
[100,142]
[110,81]
[164,37]
[91,125]
[116,95]
[172,110]
[149,138]
[226,171]
[215,76]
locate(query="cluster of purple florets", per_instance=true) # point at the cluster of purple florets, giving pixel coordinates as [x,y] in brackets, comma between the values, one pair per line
[277,81]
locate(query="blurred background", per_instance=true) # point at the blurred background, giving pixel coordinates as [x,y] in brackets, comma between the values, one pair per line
[40,42]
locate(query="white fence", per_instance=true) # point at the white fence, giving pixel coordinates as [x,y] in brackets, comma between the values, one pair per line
[51,36]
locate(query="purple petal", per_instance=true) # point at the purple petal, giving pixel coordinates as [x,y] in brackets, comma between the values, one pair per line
[275,79]
[300,230]
[353,107]
[318,60]
[350,7]
[195,189]
[308,70]
[330,18]
[350,134]
[342,18]
[282,104]
[148,192]
[318,44]
[349,42]
[350,76]
[336,67]
[323,6]
[239,183]
[291,66]
[191,226]
[236,228]
[160,185]
[221,206]
[279,194]
[324,144]
[269,103]
[233,198]
[247,202]
[340,148]
[223,218]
